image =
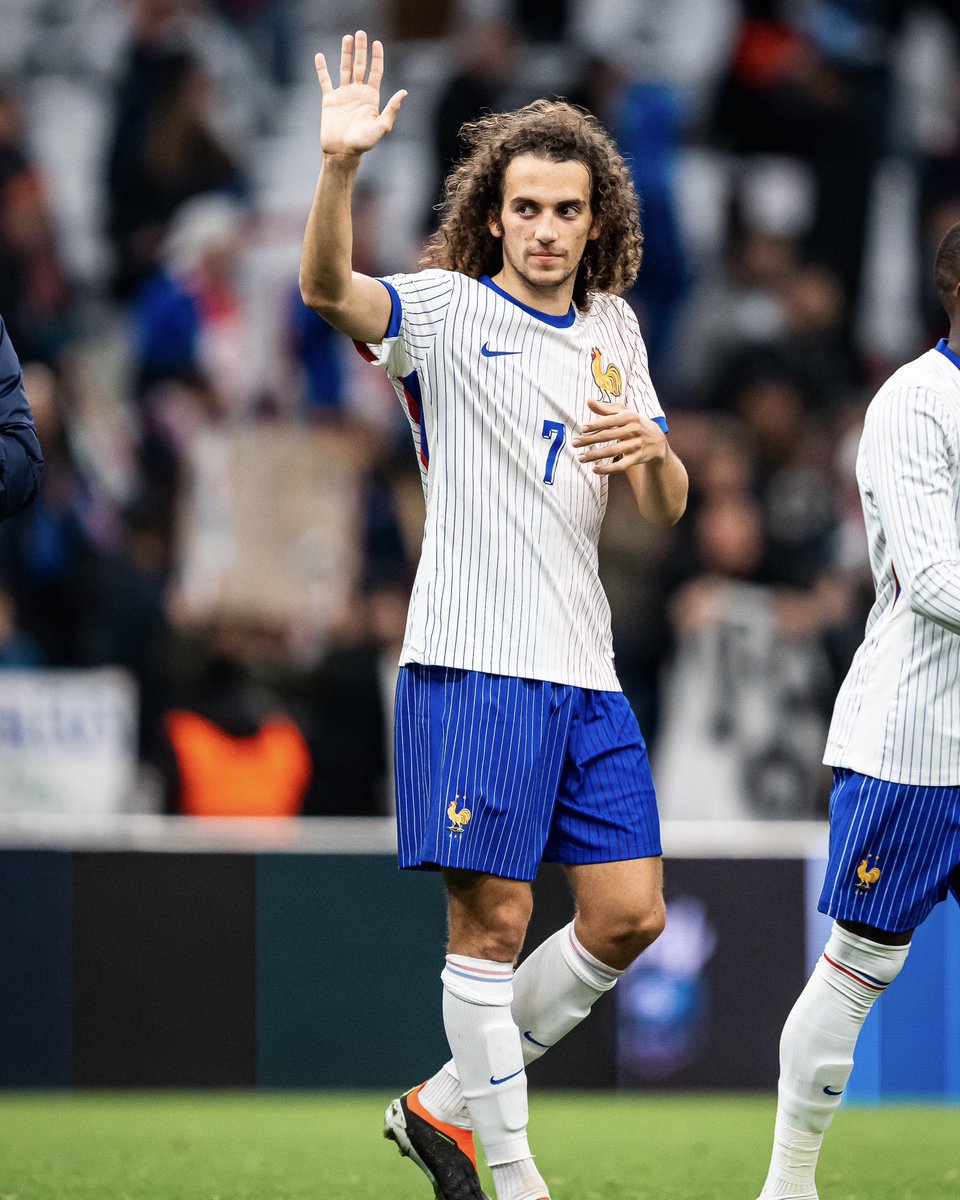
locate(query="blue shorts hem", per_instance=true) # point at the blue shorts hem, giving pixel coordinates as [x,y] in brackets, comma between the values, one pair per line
[425,864]
[576,858]
[899,924]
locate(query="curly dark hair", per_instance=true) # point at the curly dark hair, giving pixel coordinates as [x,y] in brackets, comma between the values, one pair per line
[559,132]
[946,267]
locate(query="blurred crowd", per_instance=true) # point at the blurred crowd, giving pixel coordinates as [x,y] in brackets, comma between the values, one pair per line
[797,163]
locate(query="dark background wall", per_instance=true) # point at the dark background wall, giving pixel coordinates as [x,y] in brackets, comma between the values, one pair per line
[280,970]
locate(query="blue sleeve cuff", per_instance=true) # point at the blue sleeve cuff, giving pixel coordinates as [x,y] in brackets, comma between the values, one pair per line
[662,422]
[396,310]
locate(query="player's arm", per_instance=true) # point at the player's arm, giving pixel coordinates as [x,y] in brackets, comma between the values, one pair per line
[911,470]
[619,440]
[351,122]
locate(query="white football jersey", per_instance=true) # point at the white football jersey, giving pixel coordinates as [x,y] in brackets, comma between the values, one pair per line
[495,393]
[897,715]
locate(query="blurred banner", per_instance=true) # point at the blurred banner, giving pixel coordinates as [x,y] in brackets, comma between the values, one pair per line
[270,529]
[743,731]
[68,740]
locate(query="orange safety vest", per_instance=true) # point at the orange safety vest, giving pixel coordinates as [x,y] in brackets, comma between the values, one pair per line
[263,775]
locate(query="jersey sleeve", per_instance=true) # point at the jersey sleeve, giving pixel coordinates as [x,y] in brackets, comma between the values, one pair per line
[638,390]
[419,305]
[913,451]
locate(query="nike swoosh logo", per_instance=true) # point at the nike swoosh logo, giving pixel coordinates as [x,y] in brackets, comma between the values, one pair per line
[542,1045]
[488,353]
[830,1092]
[495,1082]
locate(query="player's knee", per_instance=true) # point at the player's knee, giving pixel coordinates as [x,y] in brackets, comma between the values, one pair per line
[504,929]
[494,930]
[622,936]
[644,927]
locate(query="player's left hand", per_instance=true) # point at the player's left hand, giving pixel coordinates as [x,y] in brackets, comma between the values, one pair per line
[620,438]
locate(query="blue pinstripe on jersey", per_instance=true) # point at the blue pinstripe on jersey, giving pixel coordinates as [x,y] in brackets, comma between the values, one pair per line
[908,832]
[545,771]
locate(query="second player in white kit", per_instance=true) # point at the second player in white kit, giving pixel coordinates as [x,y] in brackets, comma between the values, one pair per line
[894,742]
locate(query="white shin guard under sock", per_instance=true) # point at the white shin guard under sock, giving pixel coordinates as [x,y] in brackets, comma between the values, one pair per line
[816,1052]
[554,988]
[485,1041]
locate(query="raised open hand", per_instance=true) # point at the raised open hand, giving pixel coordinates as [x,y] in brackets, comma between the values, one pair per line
[351,120]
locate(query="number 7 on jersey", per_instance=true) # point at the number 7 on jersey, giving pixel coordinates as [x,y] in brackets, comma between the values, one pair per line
[555,431]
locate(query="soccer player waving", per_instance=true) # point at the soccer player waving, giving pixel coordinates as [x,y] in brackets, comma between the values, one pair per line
[894,742]
[525,380]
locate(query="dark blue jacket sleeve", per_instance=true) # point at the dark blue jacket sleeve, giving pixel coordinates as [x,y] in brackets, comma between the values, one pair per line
[21,462]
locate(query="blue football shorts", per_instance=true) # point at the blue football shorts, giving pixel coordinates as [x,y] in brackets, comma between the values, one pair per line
[894,851]
[498,774]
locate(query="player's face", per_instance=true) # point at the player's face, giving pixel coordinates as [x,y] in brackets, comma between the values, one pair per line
[545,223]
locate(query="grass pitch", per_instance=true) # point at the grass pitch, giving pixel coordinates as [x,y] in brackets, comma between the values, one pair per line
[216,1146]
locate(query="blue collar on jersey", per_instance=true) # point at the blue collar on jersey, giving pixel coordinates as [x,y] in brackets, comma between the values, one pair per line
[563,322]
[945,349]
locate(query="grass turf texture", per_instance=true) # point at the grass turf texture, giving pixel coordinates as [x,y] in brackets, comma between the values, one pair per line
[217,1146]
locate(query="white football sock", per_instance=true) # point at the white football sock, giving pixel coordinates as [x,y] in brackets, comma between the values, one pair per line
[442,1096]
[554,988]
[816,1053]
[485,1041]
[519,1181]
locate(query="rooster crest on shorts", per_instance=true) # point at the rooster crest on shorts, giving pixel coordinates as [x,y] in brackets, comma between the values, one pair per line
[867,875]
[458,820]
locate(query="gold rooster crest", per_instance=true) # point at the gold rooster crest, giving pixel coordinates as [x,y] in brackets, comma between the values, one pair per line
[609,381]
[867,878]
[458,820]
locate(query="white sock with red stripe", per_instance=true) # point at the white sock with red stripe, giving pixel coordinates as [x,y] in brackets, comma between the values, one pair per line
[554,988]
[477,995]
[816,1053]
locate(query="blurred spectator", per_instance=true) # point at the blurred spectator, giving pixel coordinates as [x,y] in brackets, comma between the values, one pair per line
[743,730]
[164,151]
[349,697]
[821,94]
[649,133]
[637,565]
[813,337]
[230,747]
[128,626]
[683,44]
[420,18]
[18,650]
[21,460]
[190,314]
[48,554]
[319,352]
[34,293]
[790,472]
[542,20]
[268,27]
[487,55]
[598,87]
